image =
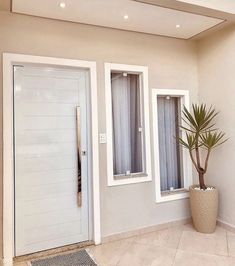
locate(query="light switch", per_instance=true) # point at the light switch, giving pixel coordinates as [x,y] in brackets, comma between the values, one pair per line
[103,138]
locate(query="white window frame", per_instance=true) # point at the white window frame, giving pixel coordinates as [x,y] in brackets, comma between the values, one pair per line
[143,72]
[187,165]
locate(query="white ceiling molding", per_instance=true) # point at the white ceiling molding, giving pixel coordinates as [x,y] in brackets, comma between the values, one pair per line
[120,14]
[224,5]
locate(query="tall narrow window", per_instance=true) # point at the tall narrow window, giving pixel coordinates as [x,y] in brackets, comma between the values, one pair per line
[172,162]
[128,141]
[169,149]
[127,128]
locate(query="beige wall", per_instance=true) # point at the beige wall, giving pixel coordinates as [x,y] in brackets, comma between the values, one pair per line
[172,64]
[217,87]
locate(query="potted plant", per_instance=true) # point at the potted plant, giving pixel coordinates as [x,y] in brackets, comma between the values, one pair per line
[201,137]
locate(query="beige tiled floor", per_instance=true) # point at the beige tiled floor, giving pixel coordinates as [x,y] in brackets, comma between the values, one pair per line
[176,246]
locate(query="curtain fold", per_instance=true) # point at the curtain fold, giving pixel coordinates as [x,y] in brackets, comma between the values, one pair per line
[169,152]
[127,153]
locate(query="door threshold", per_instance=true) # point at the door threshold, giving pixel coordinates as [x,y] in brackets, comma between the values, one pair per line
[53,251]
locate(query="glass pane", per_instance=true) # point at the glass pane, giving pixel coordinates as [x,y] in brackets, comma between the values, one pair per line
[169,148]
[127,131]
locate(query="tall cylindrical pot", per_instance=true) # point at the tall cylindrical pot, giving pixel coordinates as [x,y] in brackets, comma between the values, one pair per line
[204,209]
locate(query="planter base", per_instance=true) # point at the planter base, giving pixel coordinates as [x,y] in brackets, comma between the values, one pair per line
[204,209]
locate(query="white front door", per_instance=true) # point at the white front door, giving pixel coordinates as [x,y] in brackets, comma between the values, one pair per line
[47,136]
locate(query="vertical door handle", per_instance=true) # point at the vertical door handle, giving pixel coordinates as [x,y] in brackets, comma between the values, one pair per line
[79,177]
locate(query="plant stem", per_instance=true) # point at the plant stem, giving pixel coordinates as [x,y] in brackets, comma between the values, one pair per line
[207,159]
[197,151]
[201,180]
[200,170]
[193,160]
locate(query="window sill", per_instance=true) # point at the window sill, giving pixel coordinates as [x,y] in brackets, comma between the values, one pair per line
[173,195]
[129,180]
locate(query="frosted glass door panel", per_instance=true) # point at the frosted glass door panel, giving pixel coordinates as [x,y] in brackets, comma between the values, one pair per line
[47,214]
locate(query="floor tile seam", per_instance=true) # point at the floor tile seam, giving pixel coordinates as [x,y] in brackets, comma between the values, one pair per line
[177,248]
[227,243]
[155,245]
[202,253]
[173,262]
[123,253]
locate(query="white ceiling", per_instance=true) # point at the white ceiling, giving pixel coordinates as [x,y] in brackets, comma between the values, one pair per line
[224,5]
[110,13]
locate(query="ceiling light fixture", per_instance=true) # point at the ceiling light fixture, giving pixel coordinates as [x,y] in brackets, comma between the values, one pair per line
[177,26]
[126,17]
[62,5]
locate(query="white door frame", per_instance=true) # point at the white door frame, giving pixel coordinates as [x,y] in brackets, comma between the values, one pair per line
[8,163]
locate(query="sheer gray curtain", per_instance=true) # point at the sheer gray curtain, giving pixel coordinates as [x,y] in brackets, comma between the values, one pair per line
[127,153]
[169,153]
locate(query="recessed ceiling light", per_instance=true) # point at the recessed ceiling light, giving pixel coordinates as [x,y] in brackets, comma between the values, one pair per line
[62,5]
[125,16]
[177,26]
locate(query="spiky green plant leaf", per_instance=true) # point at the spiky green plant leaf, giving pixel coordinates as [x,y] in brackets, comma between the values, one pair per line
[211,140]
[189,142]
[201,118]
[200,132]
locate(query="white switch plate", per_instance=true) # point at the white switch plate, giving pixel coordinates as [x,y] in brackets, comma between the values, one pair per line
[103,138]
